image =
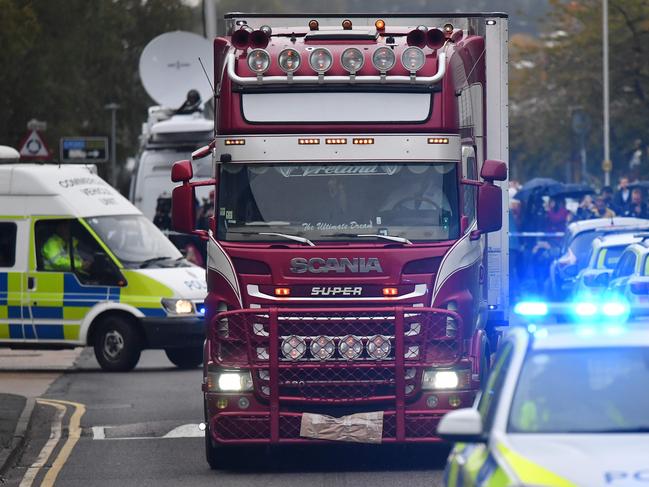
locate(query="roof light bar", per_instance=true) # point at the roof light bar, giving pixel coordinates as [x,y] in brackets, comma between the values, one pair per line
[316,79]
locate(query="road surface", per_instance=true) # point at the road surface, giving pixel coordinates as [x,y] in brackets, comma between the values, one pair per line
[92,428]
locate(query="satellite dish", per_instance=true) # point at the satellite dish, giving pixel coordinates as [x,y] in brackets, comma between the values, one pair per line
[169,67]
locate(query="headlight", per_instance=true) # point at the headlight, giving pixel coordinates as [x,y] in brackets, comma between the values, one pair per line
[258,61]
[378,347]
[413,59]
[352,59]
[440,379]
[293,347]
[383,59]
[350,347]
[320,60]
[178,306]
[289,60]
[323,347]
[229,381]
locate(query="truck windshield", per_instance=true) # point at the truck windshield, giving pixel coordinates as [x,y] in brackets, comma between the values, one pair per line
[583,391]
[136,241]
[418,202]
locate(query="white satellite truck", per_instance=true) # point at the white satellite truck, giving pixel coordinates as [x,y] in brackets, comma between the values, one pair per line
[181,122]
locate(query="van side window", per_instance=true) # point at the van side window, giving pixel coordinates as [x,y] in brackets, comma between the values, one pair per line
[8,232]
[625,266]
[67,246]
[53,245]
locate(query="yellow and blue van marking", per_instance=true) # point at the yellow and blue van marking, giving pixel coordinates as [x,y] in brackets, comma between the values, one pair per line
[64,298]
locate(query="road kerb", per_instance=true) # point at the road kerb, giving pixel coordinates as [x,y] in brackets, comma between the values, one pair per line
[19,436]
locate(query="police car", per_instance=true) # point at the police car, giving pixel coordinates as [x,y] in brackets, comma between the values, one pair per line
[564,405]
[80,265]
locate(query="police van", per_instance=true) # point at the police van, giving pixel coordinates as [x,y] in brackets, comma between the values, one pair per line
[80,265]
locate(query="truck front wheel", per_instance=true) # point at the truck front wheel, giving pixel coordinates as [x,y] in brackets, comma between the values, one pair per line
[185,358]
[117,344]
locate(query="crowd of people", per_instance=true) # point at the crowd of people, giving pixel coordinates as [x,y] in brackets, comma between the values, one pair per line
[550,215]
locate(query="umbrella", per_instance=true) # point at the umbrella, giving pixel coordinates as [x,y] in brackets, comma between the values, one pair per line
[639,184]
[539,186]
[570,190]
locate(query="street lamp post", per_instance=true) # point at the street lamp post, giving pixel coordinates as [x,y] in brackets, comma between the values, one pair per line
[606,164]
[113,107]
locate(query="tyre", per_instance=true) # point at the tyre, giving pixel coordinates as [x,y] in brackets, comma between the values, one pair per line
[185,358]
[117,344]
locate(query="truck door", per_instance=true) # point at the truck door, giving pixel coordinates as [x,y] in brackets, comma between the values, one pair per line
[71,274]
[14,233]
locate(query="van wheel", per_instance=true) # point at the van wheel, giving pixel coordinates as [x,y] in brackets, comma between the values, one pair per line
[117,344]
[185,358]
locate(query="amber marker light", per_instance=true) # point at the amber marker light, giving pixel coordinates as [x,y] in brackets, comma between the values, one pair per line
[282,291]
[235,141]
[336,141]
[308,141]
[437,140]
[363,140]
[313,24]
[347,24]
[380,24]
[390,291]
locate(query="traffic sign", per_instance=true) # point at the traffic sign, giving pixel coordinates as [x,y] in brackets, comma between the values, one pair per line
[84,149]
[33,147]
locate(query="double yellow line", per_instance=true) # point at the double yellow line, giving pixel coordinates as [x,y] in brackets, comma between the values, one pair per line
[74,433]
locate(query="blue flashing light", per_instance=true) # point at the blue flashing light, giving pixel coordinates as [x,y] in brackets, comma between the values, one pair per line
[614,309]
[531,308]
[201,310]
[585,308]
[532,328]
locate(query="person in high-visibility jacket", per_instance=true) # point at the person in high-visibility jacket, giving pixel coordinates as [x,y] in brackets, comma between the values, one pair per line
[56,251]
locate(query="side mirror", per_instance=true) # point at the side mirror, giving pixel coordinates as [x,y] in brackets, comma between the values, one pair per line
[490,208]
[183,208]
[493,170]
[182,171]
[463,425]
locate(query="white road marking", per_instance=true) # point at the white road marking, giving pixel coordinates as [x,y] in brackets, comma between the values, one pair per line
[48,448]
[191,430]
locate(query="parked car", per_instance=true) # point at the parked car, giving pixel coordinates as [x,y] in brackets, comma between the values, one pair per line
[630,278]
[557,410]
[605,253]
[575,249]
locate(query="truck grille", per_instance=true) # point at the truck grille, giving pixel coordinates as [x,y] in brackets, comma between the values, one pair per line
[342,355]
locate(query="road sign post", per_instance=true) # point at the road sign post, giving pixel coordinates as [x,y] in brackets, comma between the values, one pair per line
[84,149]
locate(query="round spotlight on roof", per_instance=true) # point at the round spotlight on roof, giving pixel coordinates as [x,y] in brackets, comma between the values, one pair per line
[289,60]
[413,59]
[352,60]
[320,60]
[258,61]
[384,59]
[350,347]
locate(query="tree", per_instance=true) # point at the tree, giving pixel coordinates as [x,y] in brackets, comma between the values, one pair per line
[69,58]
[563,71]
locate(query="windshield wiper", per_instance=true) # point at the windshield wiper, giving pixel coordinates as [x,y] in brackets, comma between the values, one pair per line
[392,238]
[289,237]
[146,263]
